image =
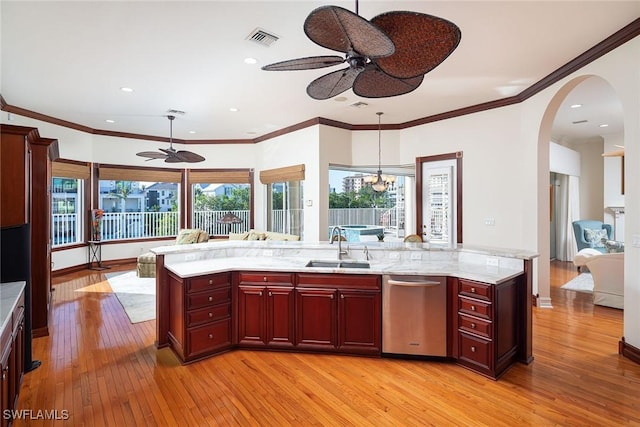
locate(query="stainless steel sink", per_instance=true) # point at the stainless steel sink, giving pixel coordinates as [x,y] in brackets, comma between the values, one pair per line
[337,264]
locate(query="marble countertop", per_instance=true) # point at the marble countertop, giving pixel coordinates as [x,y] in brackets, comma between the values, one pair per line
[9,294]
[444,267]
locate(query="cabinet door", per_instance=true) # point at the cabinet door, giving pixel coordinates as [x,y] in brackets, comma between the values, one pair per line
[280,317]
[4,385]
[251,315]
[316,327]
[359,322]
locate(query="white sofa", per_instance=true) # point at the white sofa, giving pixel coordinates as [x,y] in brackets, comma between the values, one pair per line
[607,271]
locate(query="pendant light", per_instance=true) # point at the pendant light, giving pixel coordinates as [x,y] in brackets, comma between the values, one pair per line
[380,182]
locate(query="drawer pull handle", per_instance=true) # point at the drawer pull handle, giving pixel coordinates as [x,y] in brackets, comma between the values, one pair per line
[260,293]
[331,296]
[210,299]
[473,308]
[210,314]
[341,296]
[473,349]
[264,279]
[270,293]
[473,326]
[473,290]
[210,282]
[211,337]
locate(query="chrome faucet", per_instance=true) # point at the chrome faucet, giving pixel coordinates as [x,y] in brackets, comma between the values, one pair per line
[339,239]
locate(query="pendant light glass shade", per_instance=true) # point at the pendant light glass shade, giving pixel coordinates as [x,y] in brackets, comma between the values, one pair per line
[380,182]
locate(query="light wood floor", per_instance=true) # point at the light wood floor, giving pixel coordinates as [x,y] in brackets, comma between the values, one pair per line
[105,371]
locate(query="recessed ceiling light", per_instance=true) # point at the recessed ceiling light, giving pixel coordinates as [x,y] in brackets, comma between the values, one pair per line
[252,132]
[576,105]
[192,131]
[126,89]
[233,109]
[110,121]
[604,125]
[250,60]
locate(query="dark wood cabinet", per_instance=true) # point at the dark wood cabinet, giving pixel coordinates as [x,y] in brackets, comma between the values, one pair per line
[486,325]
[265,312]
[339,312]
[25,197]
[12,341]
[200,315]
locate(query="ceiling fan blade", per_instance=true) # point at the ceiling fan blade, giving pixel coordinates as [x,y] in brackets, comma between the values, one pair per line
[309,63]
[332,84]
[340,29]
[374,83]
[152,155]
[188,156]
[422,42]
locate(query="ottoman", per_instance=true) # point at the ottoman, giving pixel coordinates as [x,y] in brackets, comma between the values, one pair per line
[147,265]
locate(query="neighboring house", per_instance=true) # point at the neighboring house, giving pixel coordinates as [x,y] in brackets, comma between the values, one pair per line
[161,196]
[215,190]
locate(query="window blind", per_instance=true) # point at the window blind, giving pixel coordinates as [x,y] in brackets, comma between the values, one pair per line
[228,176]
[288,173]
[74,170]
[140,174]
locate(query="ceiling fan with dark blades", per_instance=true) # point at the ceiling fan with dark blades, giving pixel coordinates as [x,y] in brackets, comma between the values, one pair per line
[171,155]
[387,56]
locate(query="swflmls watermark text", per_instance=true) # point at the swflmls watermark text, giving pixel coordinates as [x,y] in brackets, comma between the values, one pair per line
[31,414]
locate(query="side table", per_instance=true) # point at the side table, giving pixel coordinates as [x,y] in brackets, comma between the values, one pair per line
[95,255]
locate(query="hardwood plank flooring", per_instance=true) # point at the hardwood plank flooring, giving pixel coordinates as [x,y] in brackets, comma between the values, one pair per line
[106,371]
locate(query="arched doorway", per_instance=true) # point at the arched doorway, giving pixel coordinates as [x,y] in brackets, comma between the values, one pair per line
[557,109]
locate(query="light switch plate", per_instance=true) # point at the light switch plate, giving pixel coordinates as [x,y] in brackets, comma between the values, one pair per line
[416,256]
[394,255]
[267,252]
[493,261]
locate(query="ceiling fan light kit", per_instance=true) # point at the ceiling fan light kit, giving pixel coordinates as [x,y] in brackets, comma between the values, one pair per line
[171,155]
[387,56]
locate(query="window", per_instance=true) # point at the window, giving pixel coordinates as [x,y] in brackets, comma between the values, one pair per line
[221,201]
[66,211]
[139,203]
[68,189]
[285,199]
[365,214]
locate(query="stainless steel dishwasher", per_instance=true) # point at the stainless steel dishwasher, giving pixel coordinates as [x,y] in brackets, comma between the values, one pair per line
[414,315]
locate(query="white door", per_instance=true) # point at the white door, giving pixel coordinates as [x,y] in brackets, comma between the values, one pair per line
[439,203]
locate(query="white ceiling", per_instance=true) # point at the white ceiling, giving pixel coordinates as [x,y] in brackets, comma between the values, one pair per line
[69,60]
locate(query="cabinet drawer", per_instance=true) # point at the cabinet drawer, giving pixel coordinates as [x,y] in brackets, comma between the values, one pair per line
[208,314]
[213,281]
[475,350]
[209,298]
[210,337]
[475,326]
[474,308]
[474,289]
[19,310]
[258,277]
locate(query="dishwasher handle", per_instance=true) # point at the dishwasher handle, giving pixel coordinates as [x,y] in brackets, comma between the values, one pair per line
[421,283]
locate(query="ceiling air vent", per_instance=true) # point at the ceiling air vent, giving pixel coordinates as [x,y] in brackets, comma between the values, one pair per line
[579,121]
[174,112]
[359,104]
[262,37]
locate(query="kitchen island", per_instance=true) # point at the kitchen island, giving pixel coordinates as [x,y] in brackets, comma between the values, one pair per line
[299,296]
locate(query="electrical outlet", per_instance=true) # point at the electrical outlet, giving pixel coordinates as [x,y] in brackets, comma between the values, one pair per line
[490,221]
[267,252]
[416,256]
[493,261]
[394,255]
[189,257]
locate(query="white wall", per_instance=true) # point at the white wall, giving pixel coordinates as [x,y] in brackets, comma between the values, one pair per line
[563,160]
[592,177]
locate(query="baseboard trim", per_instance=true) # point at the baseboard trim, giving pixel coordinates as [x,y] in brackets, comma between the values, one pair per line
[82,267]
[630,352]
[544,302]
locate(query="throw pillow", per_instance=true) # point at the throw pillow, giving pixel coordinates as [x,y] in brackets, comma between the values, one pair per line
[254,235]
[594,237]
[239,236]
[188,236]
[613,246]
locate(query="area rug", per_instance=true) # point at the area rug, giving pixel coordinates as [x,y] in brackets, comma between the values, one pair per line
[137,295]
[581,283]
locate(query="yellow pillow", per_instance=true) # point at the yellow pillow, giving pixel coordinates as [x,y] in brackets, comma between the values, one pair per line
[254,235]
[239,236]
[272,235]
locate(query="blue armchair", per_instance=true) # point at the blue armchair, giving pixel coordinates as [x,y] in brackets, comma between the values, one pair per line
[579,228]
